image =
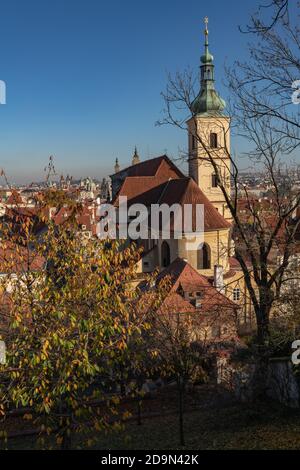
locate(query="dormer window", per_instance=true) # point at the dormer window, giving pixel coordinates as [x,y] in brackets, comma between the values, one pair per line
[213,140]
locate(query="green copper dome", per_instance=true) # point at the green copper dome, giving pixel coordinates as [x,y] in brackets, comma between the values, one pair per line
[207,58]
[208,100]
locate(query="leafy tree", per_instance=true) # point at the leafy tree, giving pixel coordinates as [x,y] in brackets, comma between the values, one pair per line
[67,314]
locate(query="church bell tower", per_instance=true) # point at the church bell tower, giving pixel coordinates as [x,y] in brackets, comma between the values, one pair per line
[209,131]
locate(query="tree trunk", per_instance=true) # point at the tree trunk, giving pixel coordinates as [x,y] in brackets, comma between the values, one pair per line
[66,441]
[180,409]
[260,379]
[139,412]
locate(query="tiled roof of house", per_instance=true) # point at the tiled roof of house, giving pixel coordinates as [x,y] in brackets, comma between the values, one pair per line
[184,277]
[14,198]
[17,259]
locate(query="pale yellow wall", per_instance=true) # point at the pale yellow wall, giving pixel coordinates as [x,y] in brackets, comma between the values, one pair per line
[246,312]
[218,242]
[200,168]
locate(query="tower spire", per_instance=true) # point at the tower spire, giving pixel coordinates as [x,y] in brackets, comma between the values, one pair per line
[208,100]
[135,158]
[117,166]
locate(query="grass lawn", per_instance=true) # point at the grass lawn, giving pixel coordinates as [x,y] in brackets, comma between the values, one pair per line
[230,427]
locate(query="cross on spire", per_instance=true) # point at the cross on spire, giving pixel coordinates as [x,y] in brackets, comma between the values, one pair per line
[206,30]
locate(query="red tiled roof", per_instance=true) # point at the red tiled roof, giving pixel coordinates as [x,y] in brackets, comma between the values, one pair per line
[153,167]
[151,190]
[84,217]
[183,275]
[17,259]
[186,191]
[147,188]
[177,304]
[14,198]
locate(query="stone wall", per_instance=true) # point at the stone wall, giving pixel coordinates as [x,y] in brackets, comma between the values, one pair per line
[282,385]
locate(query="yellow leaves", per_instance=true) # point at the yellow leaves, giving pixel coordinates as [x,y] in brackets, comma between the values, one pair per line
[97,426]
[115,400]
[18,317]
[2,410]
[3,435]
[127,414]
[77,320]
[44,355]
[90,442]
[28,417]
[121,345]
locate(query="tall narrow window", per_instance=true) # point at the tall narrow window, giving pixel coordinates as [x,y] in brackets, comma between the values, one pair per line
[165,254]
[213,140]
[236,294]
[203,257]
[214,181]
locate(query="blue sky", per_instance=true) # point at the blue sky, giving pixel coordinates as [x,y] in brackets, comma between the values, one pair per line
[84,77]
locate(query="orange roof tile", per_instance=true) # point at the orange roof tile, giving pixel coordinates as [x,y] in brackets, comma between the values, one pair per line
[151,190]
[154,167]
[184,276]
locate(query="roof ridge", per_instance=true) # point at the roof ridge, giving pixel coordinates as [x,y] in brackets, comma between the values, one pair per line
[187,264]
[140,163]
[166,184]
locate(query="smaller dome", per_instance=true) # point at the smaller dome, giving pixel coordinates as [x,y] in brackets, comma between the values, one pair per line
[207,58]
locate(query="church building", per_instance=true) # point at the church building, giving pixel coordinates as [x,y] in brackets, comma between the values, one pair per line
[160,181]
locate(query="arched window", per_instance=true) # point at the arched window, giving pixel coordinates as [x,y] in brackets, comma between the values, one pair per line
[165,254]
[213,140]
[203,257]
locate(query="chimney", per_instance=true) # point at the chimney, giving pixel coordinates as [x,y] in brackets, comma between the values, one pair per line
[218,277]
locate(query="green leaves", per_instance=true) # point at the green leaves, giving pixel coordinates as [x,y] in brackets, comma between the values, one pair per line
[69,326]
